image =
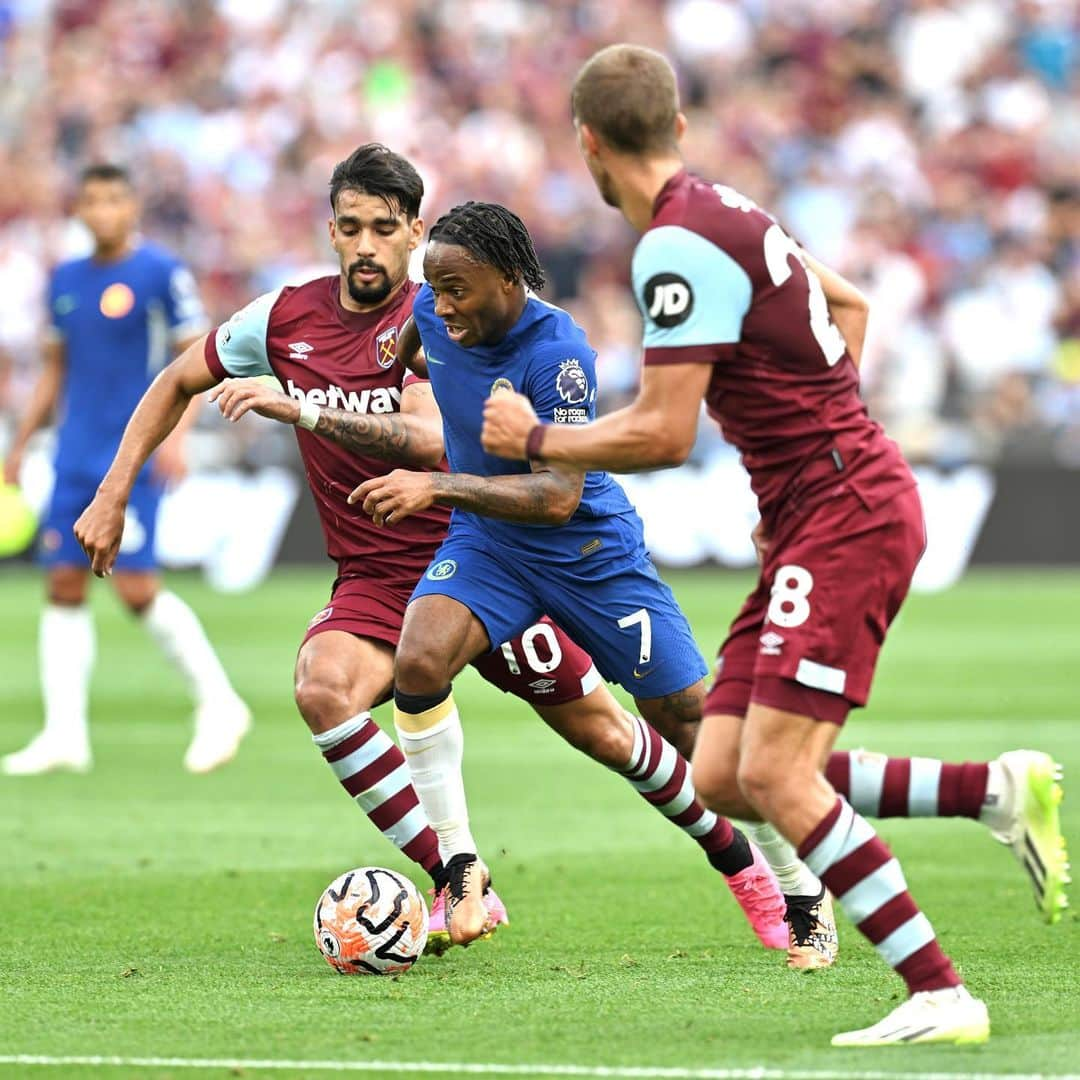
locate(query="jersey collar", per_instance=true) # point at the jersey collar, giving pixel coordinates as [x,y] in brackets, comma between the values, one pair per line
[665,193]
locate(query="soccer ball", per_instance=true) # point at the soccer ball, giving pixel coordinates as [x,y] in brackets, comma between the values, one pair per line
[371,921]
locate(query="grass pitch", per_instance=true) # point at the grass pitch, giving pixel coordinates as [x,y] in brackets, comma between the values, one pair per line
[148,913]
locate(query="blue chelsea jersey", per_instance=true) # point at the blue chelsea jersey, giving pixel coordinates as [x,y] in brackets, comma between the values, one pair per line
[119,323]
[546,357]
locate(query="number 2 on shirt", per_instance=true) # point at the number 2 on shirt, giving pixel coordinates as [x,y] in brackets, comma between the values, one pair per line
[779,247]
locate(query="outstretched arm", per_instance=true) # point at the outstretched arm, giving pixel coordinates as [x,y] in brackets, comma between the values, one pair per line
[410,437]
[101,524]
[549,495]
[657,430]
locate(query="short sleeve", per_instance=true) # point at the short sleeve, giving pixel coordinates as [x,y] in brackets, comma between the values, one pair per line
[692,295]
[183,307]
[562,383]
[237,349]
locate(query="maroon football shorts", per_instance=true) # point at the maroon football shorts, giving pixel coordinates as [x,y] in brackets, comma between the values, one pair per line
[808,637]
[542,666]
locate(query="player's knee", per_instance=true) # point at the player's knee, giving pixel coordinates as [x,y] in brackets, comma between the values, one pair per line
[717,785]
[605,737]
[758,779]
[323,699]
[418,670]
[66,587]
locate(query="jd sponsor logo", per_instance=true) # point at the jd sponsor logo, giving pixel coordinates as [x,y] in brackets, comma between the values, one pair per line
[447,568]
[669,300]
[378,399]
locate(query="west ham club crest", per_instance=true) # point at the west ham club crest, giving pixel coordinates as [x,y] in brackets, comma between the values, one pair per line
[386,347]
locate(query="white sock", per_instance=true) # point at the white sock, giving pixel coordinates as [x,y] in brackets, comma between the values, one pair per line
[176,628]
[1000,798]
[434,758]
[66,658]
[795,877]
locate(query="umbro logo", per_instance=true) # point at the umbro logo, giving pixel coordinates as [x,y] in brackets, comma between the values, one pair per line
[543,686]
[770,643]
[298,350]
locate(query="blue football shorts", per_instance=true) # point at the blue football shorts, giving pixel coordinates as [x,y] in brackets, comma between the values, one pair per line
[57,545]
[617,608]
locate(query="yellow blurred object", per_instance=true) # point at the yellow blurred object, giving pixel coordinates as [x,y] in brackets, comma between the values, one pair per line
[17,521]
[1067,360]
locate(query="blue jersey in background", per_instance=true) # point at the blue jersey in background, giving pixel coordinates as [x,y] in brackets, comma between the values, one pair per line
[119,323]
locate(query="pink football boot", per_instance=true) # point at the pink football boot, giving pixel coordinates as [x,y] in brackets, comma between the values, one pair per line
[439,937]
[758,894]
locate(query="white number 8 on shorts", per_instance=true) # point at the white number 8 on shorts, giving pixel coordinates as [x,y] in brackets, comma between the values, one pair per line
[791,586]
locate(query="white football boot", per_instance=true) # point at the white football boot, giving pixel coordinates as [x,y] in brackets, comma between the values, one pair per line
[930,1016]
[47,753]
[1022,812]
[219,727]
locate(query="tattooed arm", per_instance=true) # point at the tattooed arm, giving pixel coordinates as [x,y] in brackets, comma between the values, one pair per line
[411,437]
[546,496]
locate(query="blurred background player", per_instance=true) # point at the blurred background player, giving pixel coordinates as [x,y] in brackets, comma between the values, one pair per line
[117,317]
[333,343]
[736,313]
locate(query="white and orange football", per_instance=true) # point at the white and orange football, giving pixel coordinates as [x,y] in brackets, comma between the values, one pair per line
[371,921]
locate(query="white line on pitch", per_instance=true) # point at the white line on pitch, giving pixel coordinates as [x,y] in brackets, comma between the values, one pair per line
[615,1072]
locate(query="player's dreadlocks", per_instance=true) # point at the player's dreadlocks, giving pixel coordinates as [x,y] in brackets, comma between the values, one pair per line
[494,235]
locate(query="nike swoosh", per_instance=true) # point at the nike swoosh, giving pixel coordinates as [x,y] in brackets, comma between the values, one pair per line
[417,753]
[432,360]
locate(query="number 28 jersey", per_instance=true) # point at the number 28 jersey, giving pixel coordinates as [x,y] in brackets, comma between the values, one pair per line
[719,282]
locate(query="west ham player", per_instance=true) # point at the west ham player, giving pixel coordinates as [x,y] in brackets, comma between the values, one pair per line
[116,318]
[737,313]
[331,343]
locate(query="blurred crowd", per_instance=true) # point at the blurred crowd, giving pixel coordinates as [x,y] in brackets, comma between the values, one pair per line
[928,149]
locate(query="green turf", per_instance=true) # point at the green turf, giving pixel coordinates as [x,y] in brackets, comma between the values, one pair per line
[144,912]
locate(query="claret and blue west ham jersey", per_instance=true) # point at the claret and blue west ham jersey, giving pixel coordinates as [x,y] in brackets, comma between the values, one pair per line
[719,282]
[546,357]
[119,323]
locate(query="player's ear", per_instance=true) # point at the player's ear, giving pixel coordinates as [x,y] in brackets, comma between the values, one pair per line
[587,139]
[331,226]
[681,124]
[416,233]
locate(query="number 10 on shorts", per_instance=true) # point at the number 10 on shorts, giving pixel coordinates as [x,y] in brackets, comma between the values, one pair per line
[789,606]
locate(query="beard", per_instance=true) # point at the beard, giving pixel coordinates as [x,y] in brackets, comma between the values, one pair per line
[372,293]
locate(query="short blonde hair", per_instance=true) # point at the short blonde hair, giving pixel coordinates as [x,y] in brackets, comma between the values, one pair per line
[628,96]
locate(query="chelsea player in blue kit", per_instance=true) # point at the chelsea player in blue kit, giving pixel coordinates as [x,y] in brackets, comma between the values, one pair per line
[116,318]
[582,558]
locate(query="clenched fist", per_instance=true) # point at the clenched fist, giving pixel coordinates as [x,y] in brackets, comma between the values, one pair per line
[508,419]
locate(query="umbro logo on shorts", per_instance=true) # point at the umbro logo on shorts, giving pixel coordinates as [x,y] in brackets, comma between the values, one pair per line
[543,686]
[770,643]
